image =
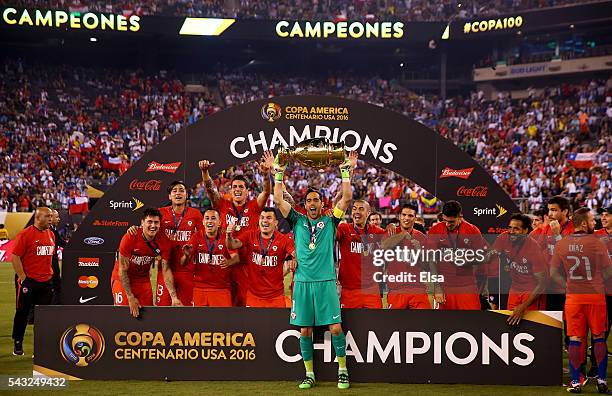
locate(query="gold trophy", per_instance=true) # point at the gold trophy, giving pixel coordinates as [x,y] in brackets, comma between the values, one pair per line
[318,153]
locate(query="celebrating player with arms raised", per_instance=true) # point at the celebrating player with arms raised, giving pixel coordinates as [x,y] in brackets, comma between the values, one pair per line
[315,299]
[239,211]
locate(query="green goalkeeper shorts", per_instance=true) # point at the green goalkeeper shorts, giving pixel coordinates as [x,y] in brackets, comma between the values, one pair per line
[315,304]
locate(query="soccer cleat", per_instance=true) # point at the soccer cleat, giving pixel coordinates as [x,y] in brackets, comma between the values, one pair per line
[307,383]
[343,380]
[584,380]
[18,348]
[602,388]
[574,387]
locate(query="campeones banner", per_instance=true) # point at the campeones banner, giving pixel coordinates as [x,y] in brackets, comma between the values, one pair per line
[473,347]
[389,30]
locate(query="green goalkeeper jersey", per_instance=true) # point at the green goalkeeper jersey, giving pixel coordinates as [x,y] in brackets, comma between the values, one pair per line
[314,264]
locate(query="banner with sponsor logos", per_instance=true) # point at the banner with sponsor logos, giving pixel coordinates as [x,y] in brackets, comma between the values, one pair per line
[242,133]
[427,346]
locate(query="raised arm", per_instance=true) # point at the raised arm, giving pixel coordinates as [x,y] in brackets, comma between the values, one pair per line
[211,189]
[231,242]
[265,169]
[347,192]
[279,183]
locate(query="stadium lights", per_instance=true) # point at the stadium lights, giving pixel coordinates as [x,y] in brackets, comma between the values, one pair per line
[93,39]
[446,33]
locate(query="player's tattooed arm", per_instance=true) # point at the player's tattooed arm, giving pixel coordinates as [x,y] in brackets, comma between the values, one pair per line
[287,197]
[124,264]
[169,280]
[209,184]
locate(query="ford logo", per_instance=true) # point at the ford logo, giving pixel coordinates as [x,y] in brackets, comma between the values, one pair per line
[93,241]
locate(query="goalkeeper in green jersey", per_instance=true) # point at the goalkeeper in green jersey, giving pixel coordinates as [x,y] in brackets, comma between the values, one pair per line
[315,298]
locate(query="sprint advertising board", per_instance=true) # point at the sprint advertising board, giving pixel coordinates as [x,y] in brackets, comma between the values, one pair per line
[471,347]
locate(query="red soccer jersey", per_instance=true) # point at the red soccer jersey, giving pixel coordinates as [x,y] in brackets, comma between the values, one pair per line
[544,236]
[606,238]
[523,259]
[352,259]
[208,254]
[265,259]
[247,213]
[465,236]
[397,268]
[584,258]
[141,254]
[179,229]
[35,248]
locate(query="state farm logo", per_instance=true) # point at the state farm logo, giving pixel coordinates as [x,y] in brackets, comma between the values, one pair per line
[459,173]
[478,191]
[145,185]
[168,168]
[498,211]
[88,282]
[110,223]
[89,262]
[134,204]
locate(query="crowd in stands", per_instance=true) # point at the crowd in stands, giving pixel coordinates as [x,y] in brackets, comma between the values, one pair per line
[64,127]
[366,10]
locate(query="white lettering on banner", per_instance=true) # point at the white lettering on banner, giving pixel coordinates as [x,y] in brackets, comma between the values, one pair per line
[393,345]
[254,143]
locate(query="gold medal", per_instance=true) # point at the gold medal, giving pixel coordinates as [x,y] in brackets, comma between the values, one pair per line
[237,228]
[311,246]
[158,258]
[365,253]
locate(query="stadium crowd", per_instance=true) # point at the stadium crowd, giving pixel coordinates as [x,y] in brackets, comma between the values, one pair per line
[366,10]
[62,128]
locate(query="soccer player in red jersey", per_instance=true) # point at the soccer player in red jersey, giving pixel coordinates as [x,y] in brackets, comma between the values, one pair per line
[179,222]
[242,212]
[32,255]
[460,289]
[130,282]
[209,252]
[585,262]
[547,235]
[375,218]
[405,294]
[605,233]
[266,250]
[522,258]
[356,272]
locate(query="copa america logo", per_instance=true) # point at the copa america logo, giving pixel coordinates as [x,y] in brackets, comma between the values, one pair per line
[82,345]
[271,112]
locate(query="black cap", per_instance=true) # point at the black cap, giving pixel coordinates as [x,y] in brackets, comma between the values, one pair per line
[608,210]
